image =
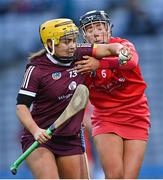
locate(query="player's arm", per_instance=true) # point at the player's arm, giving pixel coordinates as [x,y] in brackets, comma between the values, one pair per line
[113,62]
[23,113]
[121,55]
[25,98]
[104,50]
[25,117]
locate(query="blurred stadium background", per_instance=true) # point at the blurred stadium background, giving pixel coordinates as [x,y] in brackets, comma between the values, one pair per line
[138,20]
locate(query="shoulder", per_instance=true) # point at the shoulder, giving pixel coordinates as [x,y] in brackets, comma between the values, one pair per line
[33,71]
[121,40]
[37,60]
[40,61]
[33,68]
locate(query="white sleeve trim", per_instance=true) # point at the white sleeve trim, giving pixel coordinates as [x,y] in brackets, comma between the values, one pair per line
[28,93]
[27,76]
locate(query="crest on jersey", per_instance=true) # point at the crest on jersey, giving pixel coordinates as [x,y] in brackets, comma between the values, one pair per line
[56,75]
[72,85]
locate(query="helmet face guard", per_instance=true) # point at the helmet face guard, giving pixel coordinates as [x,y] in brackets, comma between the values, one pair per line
[54,30]
[93,17]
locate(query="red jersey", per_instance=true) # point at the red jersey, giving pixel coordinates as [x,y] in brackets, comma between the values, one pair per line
[117,94]
[117,86]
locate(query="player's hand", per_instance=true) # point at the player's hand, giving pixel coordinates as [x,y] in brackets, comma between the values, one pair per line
[87,64]
[41,136]
[124,55]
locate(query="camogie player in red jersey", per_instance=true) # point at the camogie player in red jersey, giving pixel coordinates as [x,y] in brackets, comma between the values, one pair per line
[49,83]
[120,117]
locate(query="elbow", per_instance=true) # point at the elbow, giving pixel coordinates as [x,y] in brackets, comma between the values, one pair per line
[131,64]
[134,60]
[20,107]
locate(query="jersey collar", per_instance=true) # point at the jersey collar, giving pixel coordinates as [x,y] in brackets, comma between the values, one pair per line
[53,60]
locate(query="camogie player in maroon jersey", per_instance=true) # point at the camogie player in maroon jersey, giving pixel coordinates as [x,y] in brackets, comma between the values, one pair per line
[49,83]
[120,117]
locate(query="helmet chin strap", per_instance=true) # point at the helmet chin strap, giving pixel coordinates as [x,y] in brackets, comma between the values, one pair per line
[53,48]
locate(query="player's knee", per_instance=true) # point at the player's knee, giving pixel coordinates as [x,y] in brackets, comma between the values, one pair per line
[114,173]
[132,174]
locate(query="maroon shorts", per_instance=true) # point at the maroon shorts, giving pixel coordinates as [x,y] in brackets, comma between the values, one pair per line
[58,145]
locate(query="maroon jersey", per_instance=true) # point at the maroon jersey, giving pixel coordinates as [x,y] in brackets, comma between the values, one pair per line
[53,84]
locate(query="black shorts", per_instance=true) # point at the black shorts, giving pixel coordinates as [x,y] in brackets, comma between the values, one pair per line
[58,145]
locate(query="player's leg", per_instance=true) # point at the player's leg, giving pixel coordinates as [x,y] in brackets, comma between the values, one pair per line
[133,156]
[110,149]
[42,164]
[72,167]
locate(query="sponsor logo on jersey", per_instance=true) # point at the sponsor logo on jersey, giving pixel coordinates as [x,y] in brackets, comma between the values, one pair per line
[108,86]
[65,96]
[56,75]
[84,45]
[72,85]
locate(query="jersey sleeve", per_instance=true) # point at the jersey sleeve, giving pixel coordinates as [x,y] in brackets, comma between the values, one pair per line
[84,49]
[31,81]
[113,62]
[109,62]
